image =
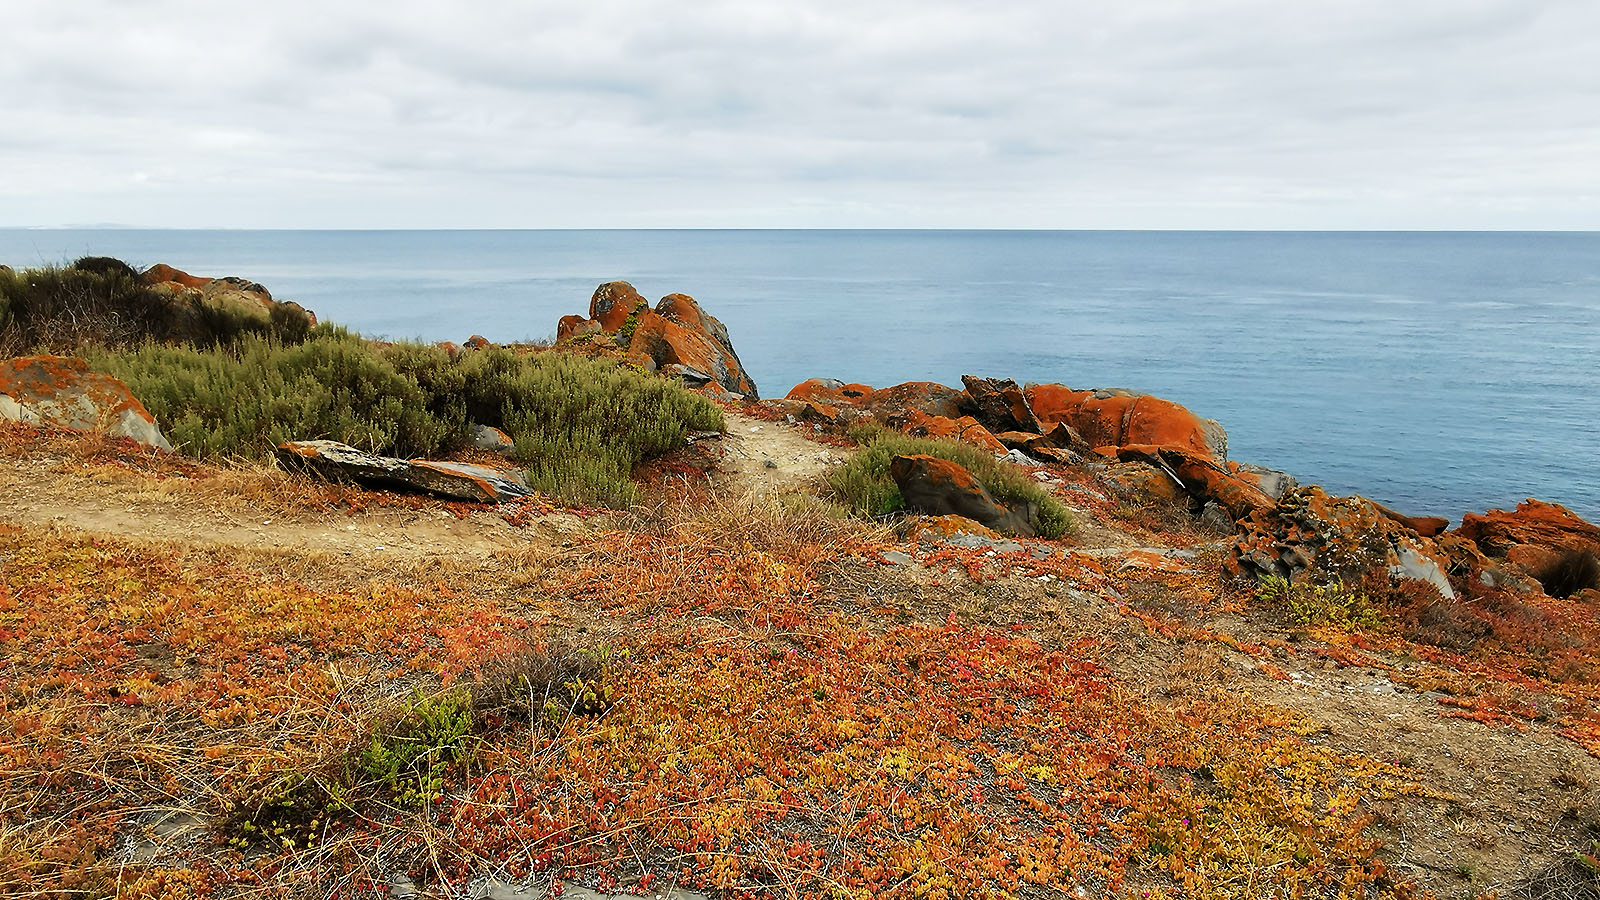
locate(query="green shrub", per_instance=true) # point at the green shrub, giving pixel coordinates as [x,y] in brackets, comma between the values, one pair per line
[409,753]
[99,300]
[580,425]
[1319,604]
[245,399]
[56,309]
[863,483]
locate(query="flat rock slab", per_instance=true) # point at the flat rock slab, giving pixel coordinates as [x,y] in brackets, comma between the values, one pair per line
[334,461]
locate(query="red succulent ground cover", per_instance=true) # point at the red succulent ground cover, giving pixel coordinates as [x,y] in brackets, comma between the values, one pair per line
[768,736]
[777,716]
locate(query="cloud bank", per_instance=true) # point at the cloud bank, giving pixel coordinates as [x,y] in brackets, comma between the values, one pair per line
[803,113]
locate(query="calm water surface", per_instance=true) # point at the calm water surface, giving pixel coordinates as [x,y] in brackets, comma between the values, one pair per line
[1438,372]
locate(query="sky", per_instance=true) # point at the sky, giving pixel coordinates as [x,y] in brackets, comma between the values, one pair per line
[802,113]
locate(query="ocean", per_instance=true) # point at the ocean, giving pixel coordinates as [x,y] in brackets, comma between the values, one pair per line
[1439,373]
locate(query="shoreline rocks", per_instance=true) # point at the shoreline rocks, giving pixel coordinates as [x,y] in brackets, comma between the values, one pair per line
[677,338]
[202,307]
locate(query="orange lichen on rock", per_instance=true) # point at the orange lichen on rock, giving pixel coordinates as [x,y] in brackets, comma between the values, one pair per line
[62,391]
[965,429]
[1550,526]
[940,487]
[677,333]
[613,302]
[1122,418]
[572,326]
[161,273]
[831,392]
[1203,478]
[948,526]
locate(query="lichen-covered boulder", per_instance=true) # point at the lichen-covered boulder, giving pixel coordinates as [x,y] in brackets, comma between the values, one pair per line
[1118,418]
[1532,536]
[928,397]
[1308,530]
[677,337]
[1532,523]
[61,391]
[334,461]
[1203,479]
[161,273]
[939,487]
[203,307]
[613,303]
[965,430]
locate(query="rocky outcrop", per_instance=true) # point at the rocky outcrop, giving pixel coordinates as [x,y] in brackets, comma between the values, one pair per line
[203,308]
[1118,418]
[1533,523]
[1532,536]
[1000,405]
[334,461]
[926,397]
[1061,445]
[1064,424]
[161,273]
[61,391]
[1204,480]
[965,429]
[677,337]
[1308,531]
[1271,482]
[939,487]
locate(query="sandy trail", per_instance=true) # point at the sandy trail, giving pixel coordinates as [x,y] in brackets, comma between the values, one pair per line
[764,457]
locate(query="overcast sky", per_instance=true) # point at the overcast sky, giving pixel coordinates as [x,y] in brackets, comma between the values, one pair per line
[802,113]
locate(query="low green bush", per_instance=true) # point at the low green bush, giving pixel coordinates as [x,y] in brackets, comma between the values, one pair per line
[244,399]
[863,484]
[56,308]
[99,300]
[409,753]
[580,425]
[1335,604]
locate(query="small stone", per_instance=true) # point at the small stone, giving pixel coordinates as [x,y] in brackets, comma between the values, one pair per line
[769,464]
[897,558]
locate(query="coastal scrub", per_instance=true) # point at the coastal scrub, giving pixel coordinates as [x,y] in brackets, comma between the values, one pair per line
[580,425]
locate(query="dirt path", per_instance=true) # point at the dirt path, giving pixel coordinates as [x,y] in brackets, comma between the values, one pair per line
[259,510]
[764,457]
[263,509]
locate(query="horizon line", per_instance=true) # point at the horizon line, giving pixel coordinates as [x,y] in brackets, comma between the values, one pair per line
[470,228]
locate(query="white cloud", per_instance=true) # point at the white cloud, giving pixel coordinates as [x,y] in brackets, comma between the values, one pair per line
[1231,113]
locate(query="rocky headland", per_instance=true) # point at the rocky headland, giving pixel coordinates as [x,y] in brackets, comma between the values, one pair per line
[997,640]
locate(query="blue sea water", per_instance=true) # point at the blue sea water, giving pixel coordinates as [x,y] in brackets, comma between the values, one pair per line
[1438,372]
